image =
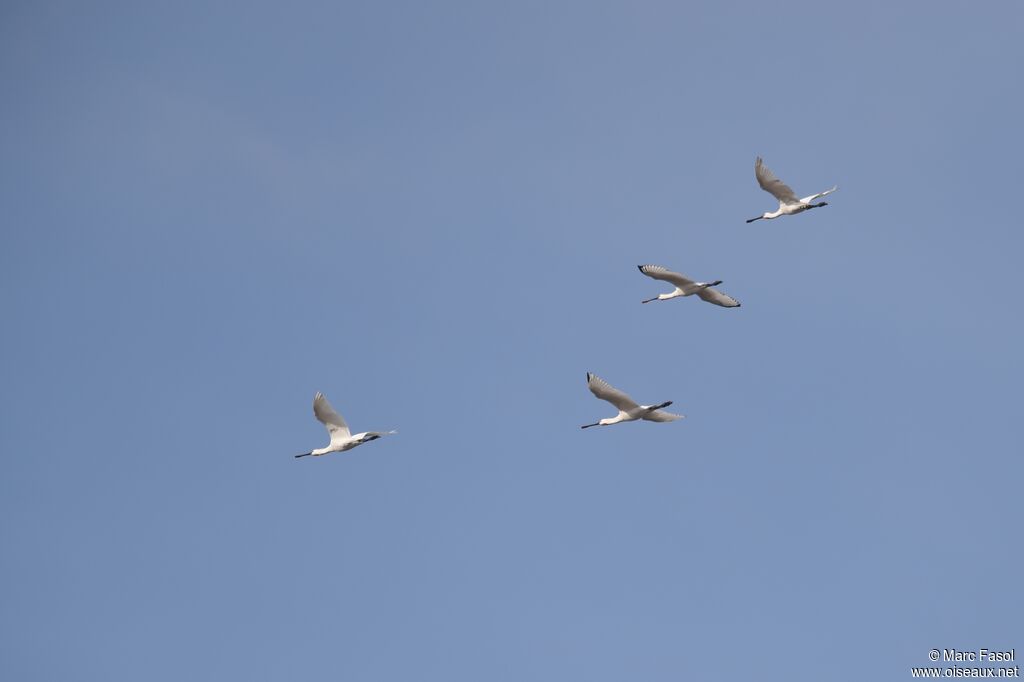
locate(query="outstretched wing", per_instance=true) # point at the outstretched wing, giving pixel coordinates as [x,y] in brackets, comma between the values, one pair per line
[662,416]
[718,298]
[378,434]
[323,411]
[807,200]
[664,274]
[771,184]
[605,391]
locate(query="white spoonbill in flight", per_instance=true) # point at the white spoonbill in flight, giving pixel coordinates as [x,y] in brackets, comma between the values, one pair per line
[687,287]
[341,438]
[789,204]
[628,409]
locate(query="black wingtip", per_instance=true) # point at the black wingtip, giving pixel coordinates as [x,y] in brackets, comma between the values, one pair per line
[588,377]
[640,268]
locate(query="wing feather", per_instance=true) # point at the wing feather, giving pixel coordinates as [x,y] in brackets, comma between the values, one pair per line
[662,416]
[327,416]
[718,298]
[771,184]
[807,200]
[605,391]
[666,275]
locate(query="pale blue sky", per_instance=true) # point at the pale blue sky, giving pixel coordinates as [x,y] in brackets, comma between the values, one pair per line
[433,213]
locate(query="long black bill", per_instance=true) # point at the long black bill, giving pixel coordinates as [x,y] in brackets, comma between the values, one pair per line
[757,218]
[304,454]
[587,426]
[658,407]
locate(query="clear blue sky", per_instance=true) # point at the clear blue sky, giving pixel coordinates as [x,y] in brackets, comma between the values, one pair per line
[433,213]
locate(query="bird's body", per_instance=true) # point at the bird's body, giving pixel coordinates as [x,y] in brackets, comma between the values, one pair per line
[687,287]
[629,410]
[789,204]
[341,438]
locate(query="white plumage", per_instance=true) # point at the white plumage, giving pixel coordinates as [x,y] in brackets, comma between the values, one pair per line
[789,204]
[687,287]
[629,410]
[341,437]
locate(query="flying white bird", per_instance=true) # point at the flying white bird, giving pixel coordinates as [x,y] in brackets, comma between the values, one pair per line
[788,202]
[628,409]
[687,287]
[341,438]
